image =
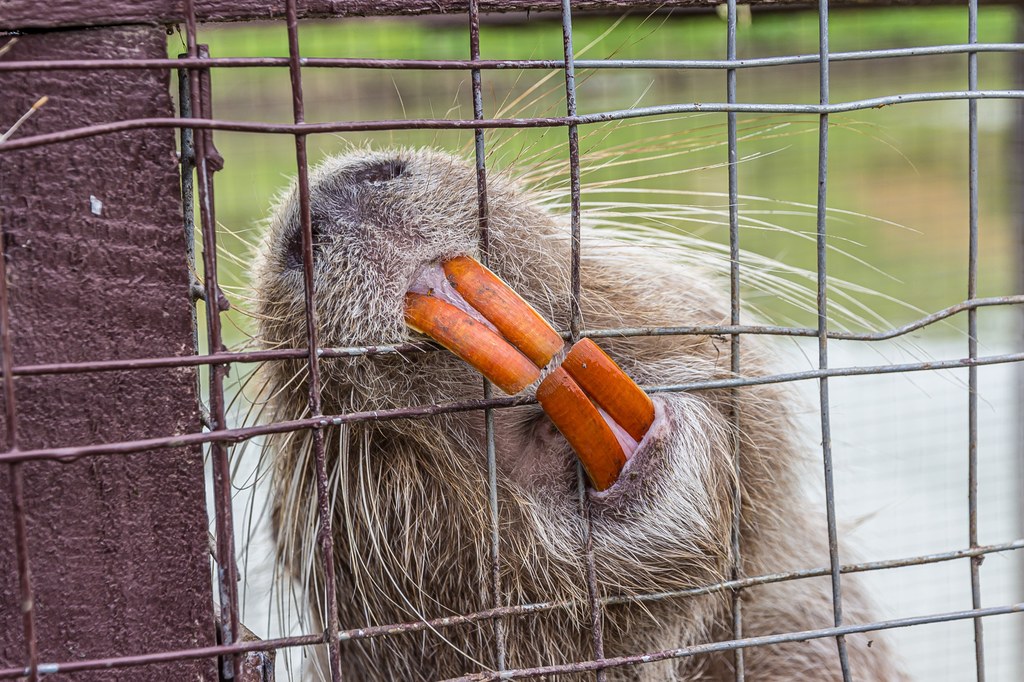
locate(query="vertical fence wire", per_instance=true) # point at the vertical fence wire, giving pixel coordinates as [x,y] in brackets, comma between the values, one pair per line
[26,599]
[576,323]
[1016,175]
[497,600]
[227,568]
[972,337]
[734,340]
[187,168]
[575,313]
[324,531]
[822,307]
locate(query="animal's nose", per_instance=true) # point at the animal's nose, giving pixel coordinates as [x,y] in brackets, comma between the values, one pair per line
[375,172]
[345,200]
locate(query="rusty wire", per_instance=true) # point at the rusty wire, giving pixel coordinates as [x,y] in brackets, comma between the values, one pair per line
[207,162]
[534,122]
[483,228]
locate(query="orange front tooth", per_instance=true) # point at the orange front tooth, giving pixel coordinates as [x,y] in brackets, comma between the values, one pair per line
[608,385]
[505,309]
[571,411]
[472,341]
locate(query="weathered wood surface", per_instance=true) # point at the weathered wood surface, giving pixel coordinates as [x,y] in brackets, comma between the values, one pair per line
[19,14]
[97,269]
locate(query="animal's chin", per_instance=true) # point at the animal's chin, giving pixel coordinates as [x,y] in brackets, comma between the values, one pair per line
[639,464]
[545,463]
[602,414]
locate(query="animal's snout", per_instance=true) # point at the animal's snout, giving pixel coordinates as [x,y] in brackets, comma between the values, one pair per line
[351,202]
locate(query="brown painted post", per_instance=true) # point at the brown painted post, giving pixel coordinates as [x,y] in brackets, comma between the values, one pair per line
[96,264]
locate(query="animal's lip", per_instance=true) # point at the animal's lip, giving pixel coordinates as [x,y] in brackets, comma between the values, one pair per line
[639,460]
[601,412]
[466,308]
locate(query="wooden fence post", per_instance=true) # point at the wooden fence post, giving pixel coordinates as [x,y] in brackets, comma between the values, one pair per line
[117,545]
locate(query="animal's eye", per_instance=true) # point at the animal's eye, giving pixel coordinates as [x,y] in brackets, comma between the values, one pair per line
[293,256]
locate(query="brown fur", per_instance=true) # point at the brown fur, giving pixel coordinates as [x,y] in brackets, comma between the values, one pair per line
[410,497]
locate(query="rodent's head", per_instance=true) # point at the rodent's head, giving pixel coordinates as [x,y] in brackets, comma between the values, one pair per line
[377,217]
[374,217]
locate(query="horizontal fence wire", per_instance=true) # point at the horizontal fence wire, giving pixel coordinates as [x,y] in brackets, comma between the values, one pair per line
[237,435]
[242,357]
[527,609]
[765,640]
[219,360]
[49,668]
[500,64]
[501,123]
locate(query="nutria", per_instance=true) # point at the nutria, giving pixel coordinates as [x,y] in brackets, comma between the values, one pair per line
[410,497]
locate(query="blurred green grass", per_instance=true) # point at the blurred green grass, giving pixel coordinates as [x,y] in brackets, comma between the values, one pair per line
[897,175]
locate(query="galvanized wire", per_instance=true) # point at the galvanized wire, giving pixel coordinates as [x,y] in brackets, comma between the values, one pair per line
[734,340]
[525,609]
[511,123]
[576,324]
[243,357]
[972,337]
[325,534]
[237,435]
[502,64]
[822,305]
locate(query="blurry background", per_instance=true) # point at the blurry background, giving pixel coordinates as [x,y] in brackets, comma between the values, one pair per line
[897,233]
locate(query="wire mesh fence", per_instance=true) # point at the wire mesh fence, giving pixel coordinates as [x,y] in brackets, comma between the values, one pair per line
[200,160]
